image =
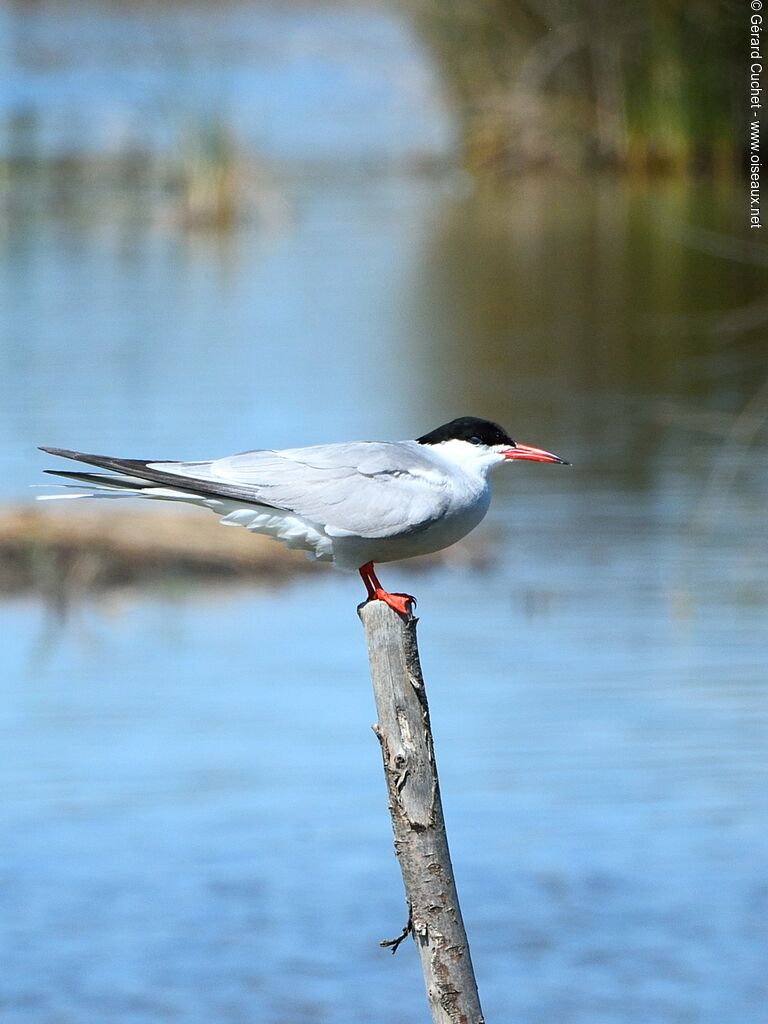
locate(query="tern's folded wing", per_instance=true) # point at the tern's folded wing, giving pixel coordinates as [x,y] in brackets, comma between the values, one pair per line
[366,489]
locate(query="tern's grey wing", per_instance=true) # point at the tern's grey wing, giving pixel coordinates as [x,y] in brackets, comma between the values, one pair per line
[194,477]
[366,489]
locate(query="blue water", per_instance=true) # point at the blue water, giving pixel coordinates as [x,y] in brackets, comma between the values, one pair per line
[193,808]
[199,825]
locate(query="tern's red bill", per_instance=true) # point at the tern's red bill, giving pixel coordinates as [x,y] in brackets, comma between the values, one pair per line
[524,452]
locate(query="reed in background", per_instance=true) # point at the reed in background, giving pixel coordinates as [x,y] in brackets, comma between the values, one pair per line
[646,87]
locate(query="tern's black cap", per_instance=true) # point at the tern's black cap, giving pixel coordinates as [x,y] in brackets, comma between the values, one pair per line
[468,428]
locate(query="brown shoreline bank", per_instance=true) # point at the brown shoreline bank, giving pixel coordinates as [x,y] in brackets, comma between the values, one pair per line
[73,551]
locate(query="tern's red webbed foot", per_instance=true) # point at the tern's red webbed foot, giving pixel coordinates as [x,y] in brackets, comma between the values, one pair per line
[401,603]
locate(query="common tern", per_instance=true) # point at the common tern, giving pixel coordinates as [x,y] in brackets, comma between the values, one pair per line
[353,503]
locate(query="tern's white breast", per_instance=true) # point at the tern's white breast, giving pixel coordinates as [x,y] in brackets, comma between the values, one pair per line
[468,506]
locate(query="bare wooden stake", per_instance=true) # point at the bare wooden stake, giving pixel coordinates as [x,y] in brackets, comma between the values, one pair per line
[421,845]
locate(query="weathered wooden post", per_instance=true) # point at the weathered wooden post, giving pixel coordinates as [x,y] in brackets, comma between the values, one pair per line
[405,735]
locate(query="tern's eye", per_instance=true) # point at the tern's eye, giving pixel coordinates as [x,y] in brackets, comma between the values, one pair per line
[474,439]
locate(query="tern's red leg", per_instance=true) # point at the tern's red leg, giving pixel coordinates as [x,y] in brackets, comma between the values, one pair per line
[366,571]
[400,602]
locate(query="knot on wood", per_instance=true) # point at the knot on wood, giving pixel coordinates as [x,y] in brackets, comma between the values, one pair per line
[416,682]
[400,768]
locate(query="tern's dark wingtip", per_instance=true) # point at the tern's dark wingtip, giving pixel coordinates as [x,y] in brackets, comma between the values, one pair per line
[62,453]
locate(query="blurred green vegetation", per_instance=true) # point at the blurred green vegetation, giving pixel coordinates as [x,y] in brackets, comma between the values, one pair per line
[647,87]
[208,180]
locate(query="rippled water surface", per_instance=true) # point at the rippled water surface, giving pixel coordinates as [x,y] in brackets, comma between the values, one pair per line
[194,815]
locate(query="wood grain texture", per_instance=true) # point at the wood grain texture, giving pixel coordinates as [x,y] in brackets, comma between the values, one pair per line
[421,845]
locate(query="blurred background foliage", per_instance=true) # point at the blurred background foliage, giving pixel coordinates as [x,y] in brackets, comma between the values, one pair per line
[645,87]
